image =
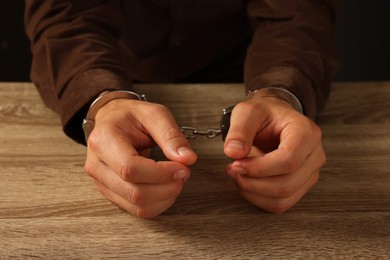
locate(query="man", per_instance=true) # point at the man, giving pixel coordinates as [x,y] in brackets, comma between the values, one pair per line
[85,50]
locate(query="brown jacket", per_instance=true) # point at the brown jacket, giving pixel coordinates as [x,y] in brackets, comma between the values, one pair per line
[81,48]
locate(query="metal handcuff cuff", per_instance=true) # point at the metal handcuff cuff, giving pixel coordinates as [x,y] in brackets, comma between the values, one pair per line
[189,132]
[103,99]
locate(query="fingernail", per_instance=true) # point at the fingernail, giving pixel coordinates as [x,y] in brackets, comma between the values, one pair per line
[184,151]
[180,174]
[235,145]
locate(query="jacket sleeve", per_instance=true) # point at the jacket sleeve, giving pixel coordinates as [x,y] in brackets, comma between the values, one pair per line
[293,47]
[75,55]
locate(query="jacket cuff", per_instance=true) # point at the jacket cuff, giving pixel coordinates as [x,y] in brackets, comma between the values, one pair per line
[292,80]
[80,93]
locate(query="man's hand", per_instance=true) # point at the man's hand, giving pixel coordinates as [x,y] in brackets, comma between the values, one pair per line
[117,156]
[278,152]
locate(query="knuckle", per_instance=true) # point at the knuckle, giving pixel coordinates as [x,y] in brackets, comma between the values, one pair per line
[322,158]
[285,190]
[290,162]
[313,131]
[172,133]
[137,197]
[245,106]
[144,212]
[99,136]
[89,169]
[317,132]
[94,139]
[126,171]
[279,206]
[140,212]
[160,109]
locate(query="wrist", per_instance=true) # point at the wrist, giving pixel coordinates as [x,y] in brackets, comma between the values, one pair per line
[280,93]
[103,99]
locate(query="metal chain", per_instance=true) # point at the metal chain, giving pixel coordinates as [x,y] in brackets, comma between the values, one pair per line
[193,132]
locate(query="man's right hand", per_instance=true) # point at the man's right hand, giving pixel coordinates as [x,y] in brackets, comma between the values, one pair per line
[117,156]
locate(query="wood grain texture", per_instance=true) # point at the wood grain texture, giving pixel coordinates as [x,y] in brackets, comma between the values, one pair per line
[50,209]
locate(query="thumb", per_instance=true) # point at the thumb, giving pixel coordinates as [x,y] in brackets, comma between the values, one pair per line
[243,128]
[175,146]
[168,136]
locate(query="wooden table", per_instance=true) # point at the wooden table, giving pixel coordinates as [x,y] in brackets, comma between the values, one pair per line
[50,209]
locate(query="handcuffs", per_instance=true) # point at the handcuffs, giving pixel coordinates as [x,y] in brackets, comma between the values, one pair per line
[104,98]
[189,132]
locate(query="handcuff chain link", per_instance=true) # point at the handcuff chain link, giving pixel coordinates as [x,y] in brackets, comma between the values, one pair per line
[193,132]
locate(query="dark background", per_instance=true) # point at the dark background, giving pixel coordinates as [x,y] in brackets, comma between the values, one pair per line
[363,40]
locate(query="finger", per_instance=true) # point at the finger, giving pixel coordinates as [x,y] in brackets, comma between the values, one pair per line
[294,148]
[149,211]
[138,194]
[133,168]
[245,122]
[281,186]
[167,134]
[280,205]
